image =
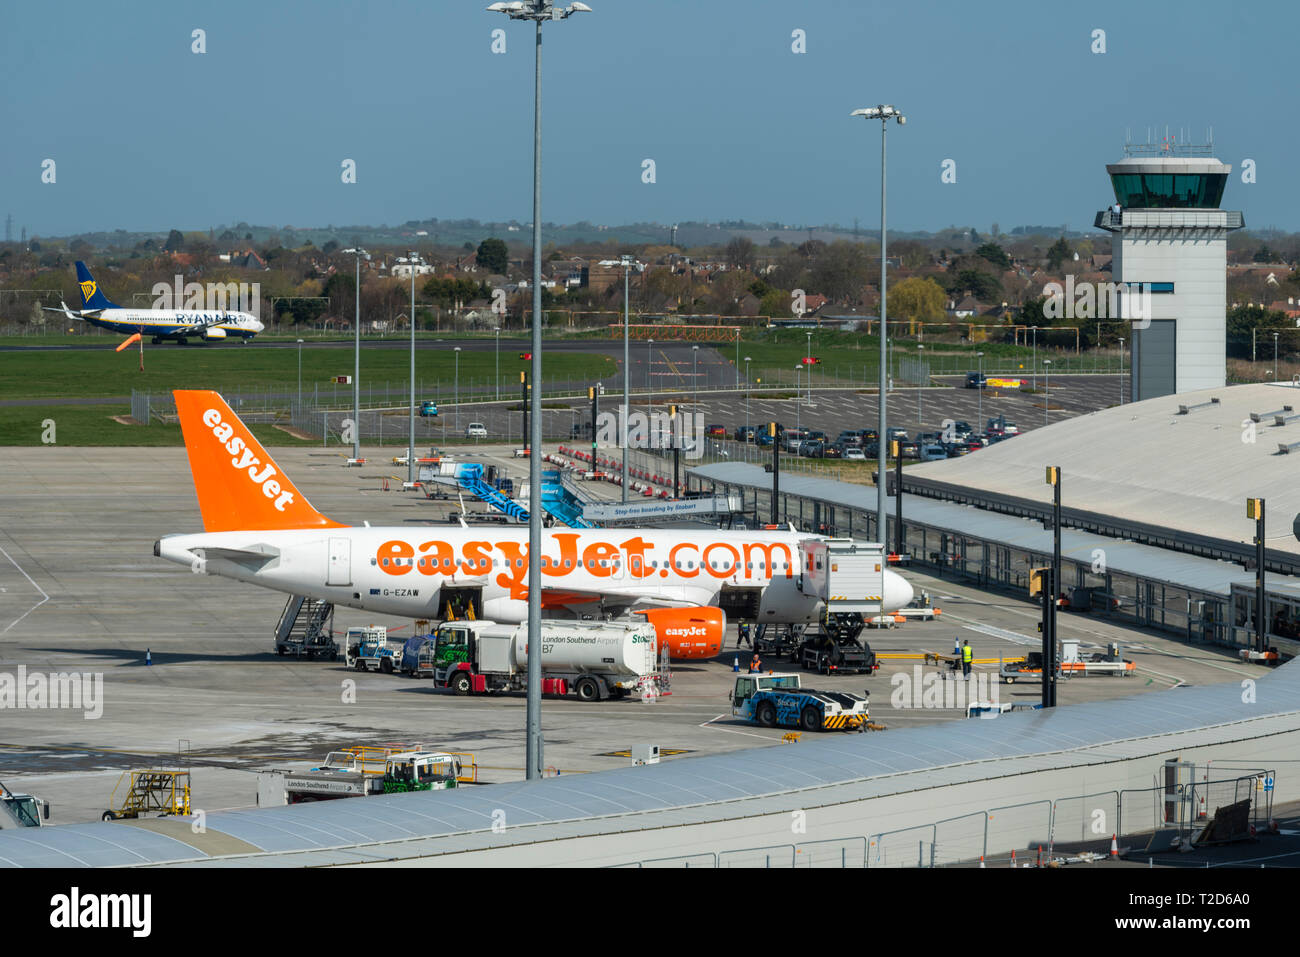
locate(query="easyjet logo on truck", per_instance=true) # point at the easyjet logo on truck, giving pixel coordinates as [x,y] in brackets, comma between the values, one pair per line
[634,557]
[244,460]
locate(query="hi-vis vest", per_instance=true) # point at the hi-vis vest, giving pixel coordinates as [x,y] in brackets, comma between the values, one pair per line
[966,654]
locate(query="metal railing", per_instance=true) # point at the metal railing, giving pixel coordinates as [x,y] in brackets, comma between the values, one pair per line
[1021,833]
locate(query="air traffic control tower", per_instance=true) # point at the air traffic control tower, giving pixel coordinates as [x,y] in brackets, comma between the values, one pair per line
[1172,236]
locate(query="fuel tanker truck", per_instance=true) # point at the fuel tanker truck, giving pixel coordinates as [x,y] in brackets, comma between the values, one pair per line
[593,659]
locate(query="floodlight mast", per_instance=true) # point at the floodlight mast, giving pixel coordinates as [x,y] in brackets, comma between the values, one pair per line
[537,11]
[883,113]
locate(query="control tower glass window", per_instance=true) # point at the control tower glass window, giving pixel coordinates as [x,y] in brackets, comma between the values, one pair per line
[1169,190]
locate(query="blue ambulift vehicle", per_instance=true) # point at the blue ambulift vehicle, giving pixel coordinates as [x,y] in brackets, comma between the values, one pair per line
[774,700]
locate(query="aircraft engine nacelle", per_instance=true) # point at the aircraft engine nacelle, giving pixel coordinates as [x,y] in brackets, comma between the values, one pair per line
[214,333]
[694,632]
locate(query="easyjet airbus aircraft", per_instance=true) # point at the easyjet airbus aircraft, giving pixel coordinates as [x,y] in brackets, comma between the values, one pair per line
[259,528]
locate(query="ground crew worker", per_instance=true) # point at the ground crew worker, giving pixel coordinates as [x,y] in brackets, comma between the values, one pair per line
[743,639]
[967,655]
[956,652]
[755,664]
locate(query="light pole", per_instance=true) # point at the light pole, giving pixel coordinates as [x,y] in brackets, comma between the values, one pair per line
[356,370]
[980,382]
[538,11]
[456,391]
[1047,387]
[798,406]
[649,392]
[627,373]
[410,411]
[883,113]
[695,355]
[497,334]
[746,394]
[1275,357]
[809,364]
[1121,370]
[920,393]
[300,376]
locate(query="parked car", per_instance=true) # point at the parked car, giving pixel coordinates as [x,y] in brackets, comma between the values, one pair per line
[428,409]
[929,438]
[932,453]
[854,453]
[745,433]
[791,439]
[909,450]
[812,449]
[716,431]
[763,440]
[976,380]
[815,434]
[956,449]
[476,430]
[833,451]
[962,429]
[900,434]
[1002,426]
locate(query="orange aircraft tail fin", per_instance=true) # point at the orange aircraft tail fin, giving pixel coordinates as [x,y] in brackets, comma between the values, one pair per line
[238,484]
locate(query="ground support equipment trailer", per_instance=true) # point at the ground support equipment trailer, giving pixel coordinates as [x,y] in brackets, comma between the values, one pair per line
[21,810]
[370,649]
[774,700]
[592,659]
[345,774]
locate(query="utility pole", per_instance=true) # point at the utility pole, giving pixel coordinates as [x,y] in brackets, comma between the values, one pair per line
[1255,510]
[1049,638]
[774,430]
[896,447]
[675,432]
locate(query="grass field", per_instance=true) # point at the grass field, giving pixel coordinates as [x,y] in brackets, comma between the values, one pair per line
[94,425]
[229,367]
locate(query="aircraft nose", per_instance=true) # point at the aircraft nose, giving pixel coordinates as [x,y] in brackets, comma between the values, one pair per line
[258,326]
[898,592]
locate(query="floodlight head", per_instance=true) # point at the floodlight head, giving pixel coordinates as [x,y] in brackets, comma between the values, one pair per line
[902,120]
[578,8]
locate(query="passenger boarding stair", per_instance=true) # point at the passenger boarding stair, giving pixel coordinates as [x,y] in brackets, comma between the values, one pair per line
[470,477]
[305,628]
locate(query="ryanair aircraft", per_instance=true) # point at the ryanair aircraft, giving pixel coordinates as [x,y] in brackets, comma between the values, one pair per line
[161,324]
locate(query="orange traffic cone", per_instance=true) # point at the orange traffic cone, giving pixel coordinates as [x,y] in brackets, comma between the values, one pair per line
[1114,847]
[1013,857]
[1039,861]
[981,862]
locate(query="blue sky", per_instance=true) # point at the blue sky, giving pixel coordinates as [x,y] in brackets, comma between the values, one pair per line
[148,135]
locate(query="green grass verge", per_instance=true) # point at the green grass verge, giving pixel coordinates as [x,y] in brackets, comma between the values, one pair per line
[228,367]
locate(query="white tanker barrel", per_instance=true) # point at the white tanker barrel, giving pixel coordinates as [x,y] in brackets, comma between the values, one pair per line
[621,649]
